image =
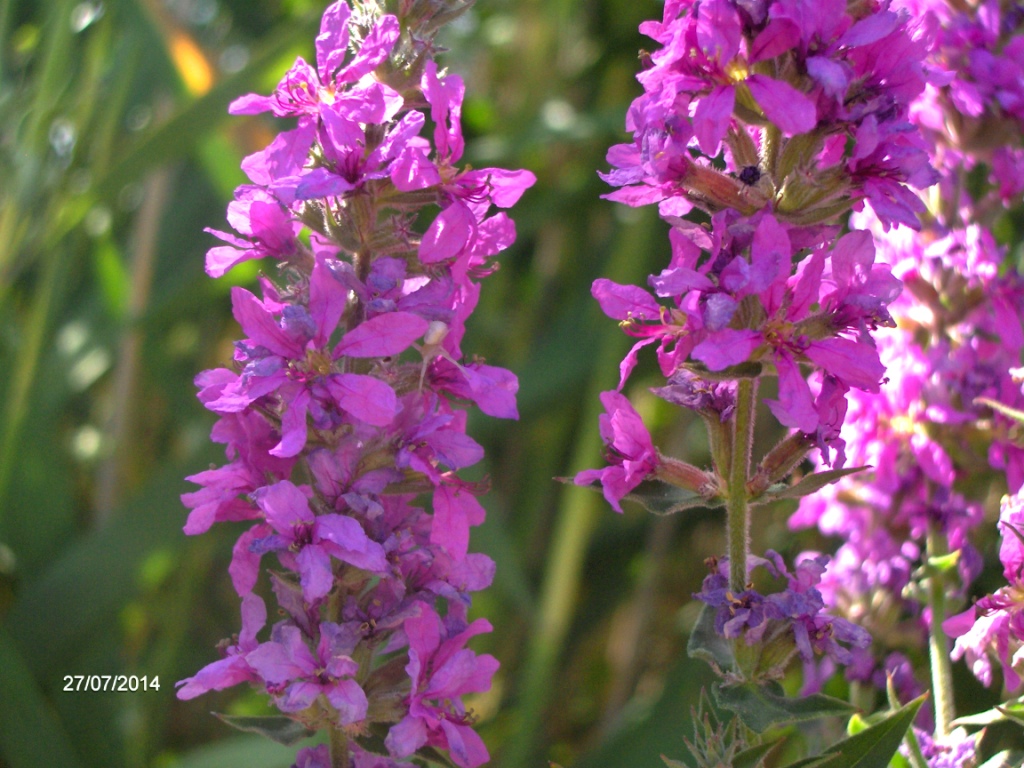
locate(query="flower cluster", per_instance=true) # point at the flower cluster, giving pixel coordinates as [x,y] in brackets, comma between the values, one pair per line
[773,119]
[811,100]
[784,623]
[949,360]
[973,110]
[741,302]
[993,628]
[343,411]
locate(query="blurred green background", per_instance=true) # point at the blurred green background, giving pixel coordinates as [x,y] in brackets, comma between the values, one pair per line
[115,152]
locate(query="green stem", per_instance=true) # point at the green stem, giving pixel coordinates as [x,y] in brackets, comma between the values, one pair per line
[938,643]
[737,496]
[338,743]
[770,150]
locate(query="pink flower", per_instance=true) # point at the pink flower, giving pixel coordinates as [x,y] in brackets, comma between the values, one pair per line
[629,450]
[442,670]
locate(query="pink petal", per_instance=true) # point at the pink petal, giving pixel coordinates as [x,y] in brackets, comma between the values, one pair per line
[454,511]
[795,406]
[465,745]
[405,738]
[448,234]
[711,118]
[347,541]
[332,42]
[783,104]
[294,429]
[852,362]
[315,573]
[623,302]
[365,397]
[260,326]
[726,347]
[284,505]
[382,336]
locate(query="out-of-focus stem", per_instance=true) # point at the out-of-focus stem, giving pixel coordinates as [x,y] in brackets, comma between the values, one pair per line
[338,744]
[938,643]
[143,260]
[737,495]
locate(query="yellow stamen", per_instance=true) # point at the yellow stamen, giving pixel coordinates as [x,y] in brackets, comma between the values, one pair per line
[737,71]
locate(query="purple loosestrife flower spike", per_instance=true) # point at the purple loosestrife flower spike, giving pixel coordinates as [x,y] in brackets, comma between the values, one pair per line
[776,119]
[343,410]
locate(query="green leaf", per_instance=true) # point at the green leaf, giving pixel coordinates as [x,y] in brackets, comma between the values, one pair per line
[707,645]
[761,707]
[248,751]
[856,725]
[752,757]
[1004,759]
[872,747]
[664,499]
[945,563]
[1012,710]
[660,498]
[806,485]
[277,728]
[30,733]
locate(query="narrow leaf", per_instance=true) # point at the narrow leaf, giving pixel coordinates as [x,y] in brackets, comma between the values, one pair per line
[806,485]
[278,728]
[753,756]
[945,563]
[1015,713]
[871,748]
[665,499]
[761,707]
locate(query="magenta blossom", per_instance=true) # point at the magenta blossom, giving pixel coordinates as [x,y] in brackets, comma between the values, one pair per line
[304,542]
[298,676]
[442,670]
[629,450]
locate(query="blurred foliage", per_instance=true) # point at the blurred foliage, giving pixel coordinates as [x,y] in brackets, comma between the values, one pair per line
[115,152]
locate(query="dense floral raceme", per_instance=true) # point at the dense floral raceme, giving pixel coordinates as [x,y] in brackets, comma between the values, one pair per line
[992,630]
[811,101]
[343,413]
[939,432]
[807,105]
[765,123]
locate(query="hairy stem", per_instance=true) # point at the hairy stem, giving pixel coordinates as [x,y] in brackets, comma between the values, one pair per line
[938,643]
[339,748]
[737,495]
